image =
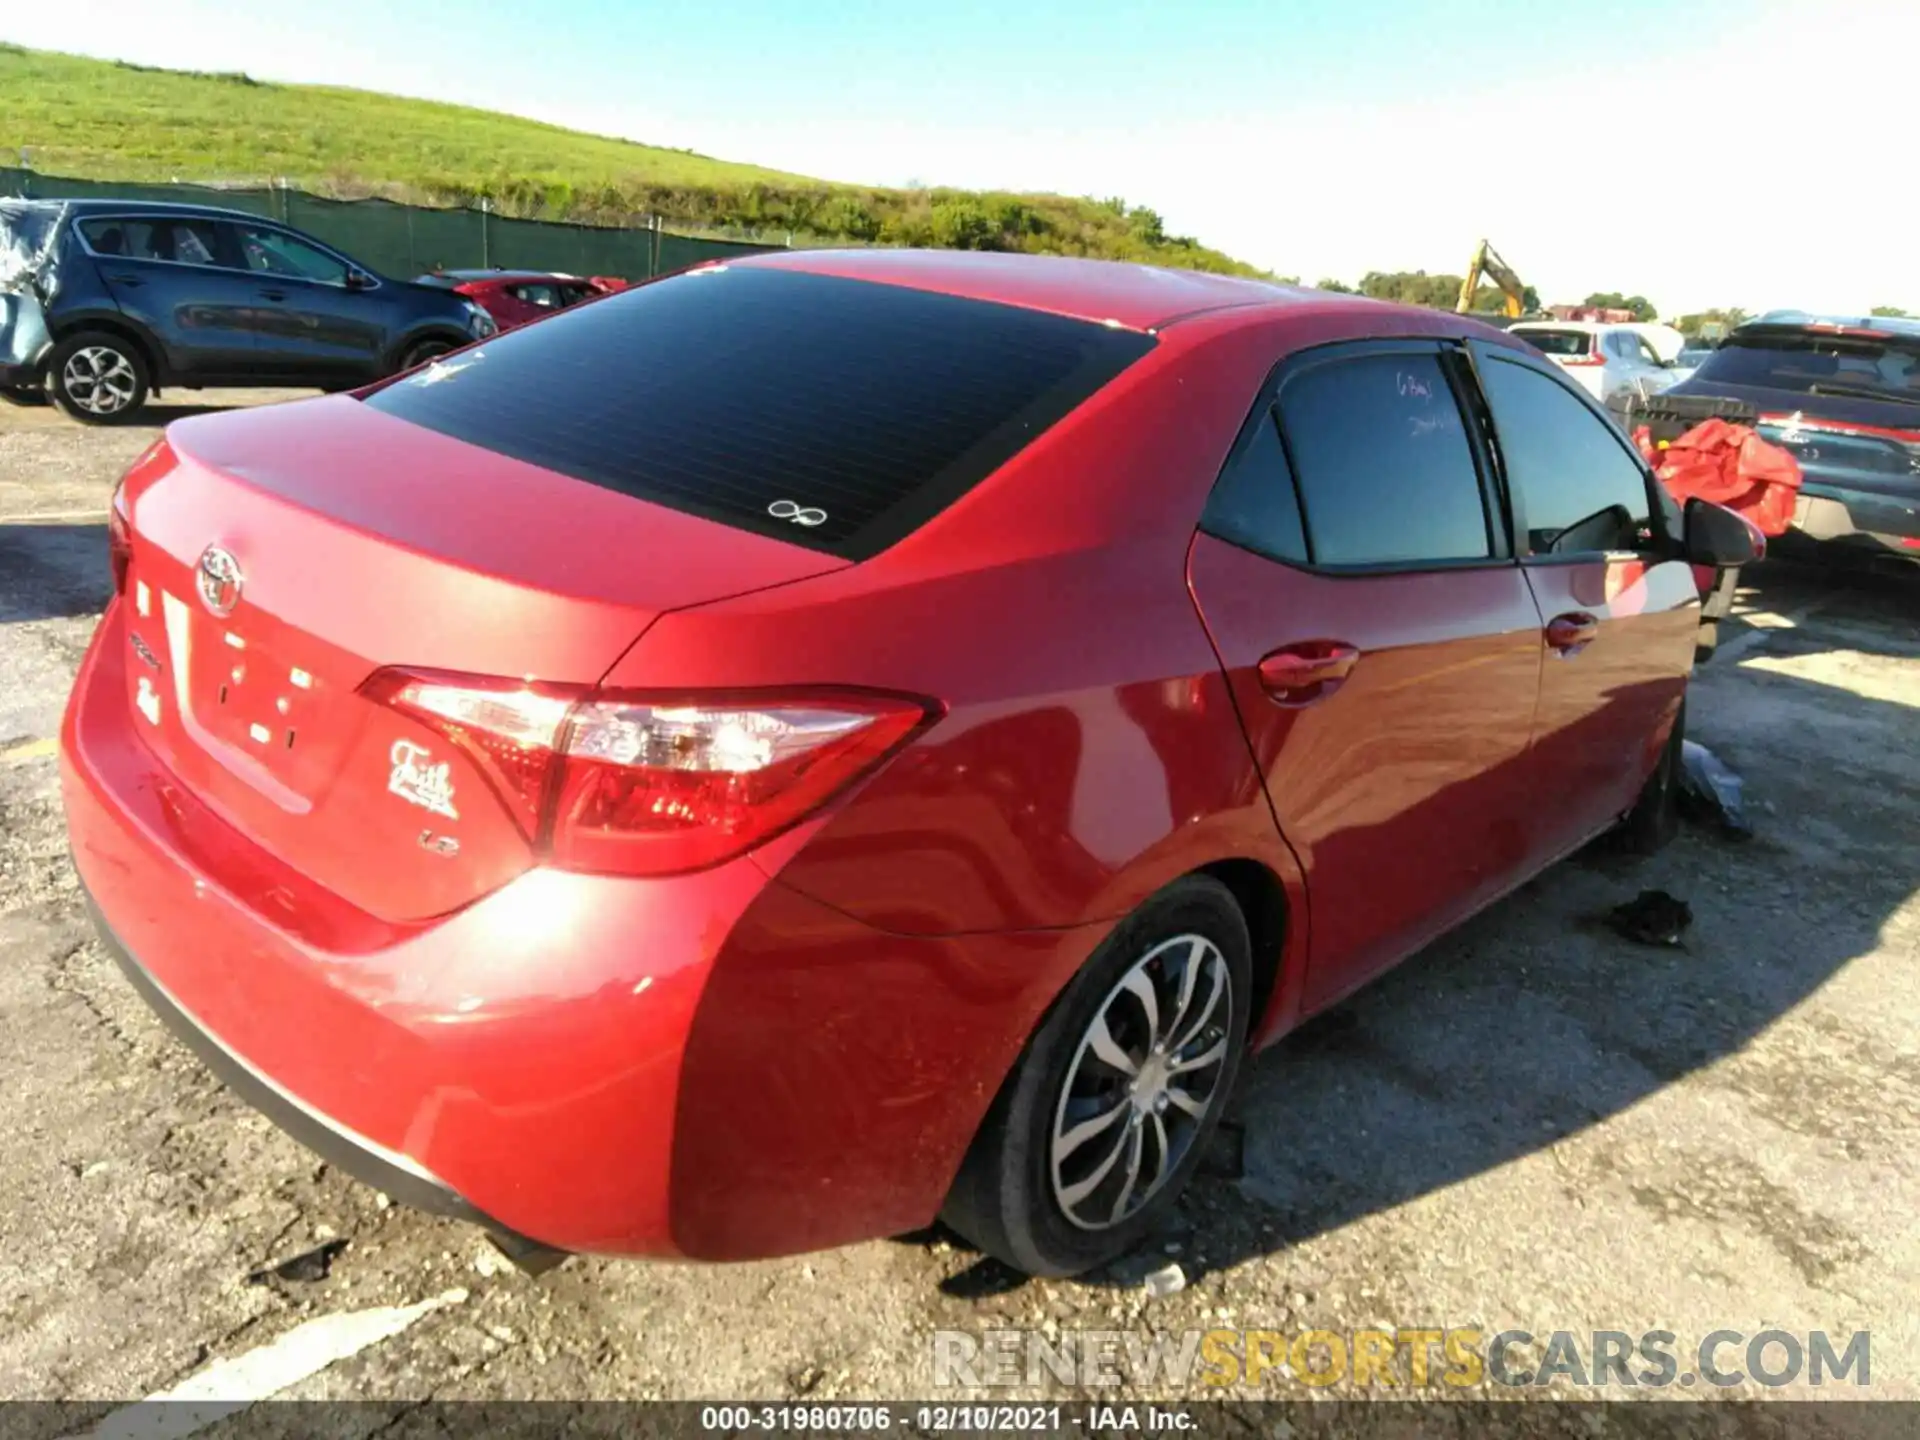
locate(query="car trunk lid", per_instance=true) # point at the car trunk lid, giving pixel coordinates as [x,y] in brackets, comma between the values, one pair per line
[280,557]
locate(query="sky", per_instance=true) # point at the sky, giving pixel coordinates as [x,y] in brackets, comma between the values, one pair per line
[1699,152]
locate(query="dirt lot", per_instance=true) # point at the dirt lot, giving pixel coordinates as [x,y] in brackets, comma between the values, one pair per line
[1534,1125]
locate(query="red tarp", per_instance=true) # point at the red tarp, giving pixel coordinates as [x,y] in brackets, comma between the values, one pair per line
[1730,465]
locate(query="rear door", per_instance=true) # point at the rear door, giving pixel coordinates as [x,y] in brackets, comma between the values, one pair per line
[1620,617]
[1381,644]
[307,323]
[176,277]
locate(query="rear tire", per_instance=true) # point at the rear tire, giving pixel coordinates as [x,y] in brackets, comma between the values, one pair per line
[97,377]
[1655,817]
[1080,1155]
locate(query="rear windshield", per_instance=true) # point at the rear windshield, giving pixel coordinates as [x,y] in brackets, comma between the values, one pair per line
[838,414]
[1557,342]
[1816,364]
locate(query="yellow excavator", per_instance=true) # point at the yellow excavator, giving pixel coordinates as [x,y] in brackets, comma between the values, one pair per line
[1486,261]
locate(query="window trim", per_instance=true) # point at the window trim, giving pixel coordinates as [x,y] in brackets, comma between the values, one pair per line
[268,276]
[1448,353]
[1480,353]
[151,219]
[172,217]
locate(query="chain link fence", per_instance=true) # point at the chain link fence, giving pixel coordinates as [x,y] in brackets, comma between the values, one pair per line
[408,240]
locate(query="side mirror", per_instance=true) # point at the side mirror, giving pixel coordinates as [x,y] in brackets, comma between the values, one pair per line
[359,280]
[1714,535]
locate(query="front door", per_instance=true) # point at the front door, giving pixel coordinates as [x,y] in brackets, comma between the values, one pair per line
[1619,618]
[1381,644]
[308,324]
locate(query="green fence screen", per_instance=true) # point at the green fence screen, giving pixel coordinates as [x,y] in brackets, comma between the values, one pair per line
[408,240]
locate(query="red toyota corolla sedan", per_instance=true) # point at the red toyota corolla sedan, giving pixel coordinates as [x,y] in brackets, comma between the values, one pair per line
[828,741]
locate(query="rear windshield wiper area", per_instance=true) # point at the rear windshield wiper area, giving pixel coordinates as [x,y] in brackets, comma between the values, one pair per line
[1863,392]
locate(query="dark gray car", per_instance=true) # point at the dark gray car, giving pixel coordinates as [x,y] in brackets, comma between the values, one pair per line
[1843,394]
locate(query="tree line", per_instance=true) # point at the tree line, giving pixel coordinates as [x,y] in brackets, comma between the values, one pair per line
[1442,292]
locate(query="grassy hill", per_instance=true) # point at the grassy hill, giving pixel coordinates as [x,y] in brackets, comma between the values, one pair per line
[111,120]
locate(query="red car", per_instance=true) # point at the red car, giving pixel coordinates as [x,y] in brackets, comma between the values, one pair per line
[513,297]
[886,749]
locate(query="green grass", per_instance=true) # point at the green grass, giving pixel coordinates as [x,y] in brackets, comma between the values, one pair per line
[110,120]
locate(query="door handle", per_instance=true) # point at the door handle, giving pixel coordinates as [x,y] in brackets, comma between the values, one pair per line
[273,294]
[1572,632]
[130,281]
[1312,670]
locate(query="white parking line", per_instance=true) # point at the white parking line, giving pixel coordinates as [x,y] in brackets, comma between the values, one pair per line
[228,1386]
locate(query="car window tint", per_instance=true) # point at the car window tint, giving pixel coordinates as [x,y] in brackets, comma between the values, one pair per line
[1557,342]
[545,296]
[274,252]
[133,239]
[180,242]
[195,242]
[1385,471]
[839,414]
[1253,504]
[1576,484]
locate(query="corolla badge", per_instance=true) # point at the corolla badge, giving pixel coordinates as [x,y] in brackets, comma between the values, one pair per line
[415,779]
[218,579]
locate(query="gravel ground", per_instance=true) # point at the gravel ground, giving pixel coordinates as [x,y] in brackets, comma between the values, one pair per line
[1533,1125]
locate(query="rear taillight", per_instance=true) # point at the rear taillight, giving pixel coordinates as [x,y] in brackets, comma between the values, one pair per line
[119,537]
[648,784]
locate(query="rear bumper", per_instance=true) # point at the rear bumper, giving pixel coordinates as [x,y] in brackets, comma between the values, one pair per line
[391,1174]
[24,339]
[711,1066]
[1859,518]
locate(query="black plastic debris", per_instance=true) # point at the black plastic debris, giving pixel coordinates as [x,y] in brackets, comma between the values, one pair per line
[1653,917]
[306,1267]
[1710,793]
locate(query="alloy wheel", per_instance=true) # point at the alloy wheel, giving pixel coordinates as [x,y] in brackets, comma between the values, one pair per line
[1142,1081]
[99,379]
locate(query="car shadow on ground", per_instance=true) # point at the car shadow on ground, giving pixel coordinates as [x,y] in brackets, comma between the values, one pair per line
[1534,1020]
[53,570]
[158,413]
[1865,602]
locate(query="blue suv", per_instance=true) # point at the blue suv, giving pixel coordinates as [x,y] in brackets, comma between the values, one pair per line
[104,302]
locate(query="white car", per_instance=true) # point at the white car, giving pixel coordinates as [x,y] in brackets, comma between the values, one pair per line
[1607,360]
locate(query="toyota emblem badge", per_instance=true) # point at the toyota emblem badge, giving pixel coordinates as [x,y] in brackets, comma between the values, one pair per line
[219,580]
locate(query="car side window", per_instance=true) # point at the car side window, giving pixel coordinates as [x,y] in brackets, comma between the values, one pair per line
[545,296]
[1253,505]
[179,242]
[126,239]
[1648,355]
[1572,478]
[1385,471]
[274,252]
